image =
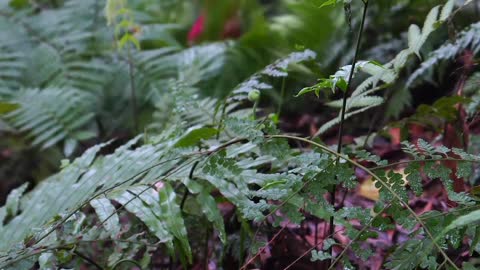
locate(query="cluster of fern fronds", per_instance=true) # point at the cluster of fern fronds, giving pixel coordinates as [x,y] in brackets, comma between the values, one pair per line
[164,144]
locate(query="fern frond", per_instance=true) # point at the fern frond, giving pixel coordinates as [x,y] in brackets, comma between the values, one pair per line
[159,211]
[467,39]
[387,73]
[277,69]
[45,122]
[12,66]
[54,42]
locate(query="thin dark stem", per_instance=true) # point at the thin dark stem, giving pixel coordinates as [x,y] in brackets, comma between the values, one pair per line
[133,94]
[344,106]
[87,259]
[261,250]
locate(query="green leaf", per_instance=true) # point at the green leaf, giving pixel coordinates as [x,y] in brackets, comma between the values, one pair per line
[329,3]
[147,209]
[461,221]
[194,135]
[104,209]
[244,128]
[13,200]
[211,211]
[414,177]
[320,256]
[274,184]
[415,39]
[464,169]
[469,266]
[172,215]
[475,240]
[306,90]
[47,261]
[414,35]
[18,4]
[6,107]
[447,10]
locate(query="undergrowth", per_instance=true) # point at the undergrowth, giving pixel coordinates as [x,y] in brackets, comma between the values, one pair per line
[199,163]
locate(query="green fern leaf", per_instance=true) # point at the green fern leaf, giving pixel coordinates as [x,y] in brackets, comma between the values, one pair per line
[211,211]
[146,207]
[46,124]
[106,213]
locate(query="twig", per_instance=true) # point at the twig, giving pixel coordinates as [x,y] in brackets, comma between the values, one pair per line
[87,259]
[263,248]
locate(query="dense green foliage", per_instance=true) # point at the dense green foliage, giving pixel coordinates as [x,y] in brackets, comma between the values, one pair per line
[153,135]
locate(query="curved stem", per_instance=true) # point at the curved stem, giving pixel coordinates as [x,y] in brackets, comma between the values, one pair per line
[254,112]
[126,261]
[420,160]
[87,259]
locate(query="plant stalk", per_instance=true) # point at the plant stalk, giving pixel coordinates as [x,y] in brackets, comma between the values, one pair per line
[87,259]
[342,113]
